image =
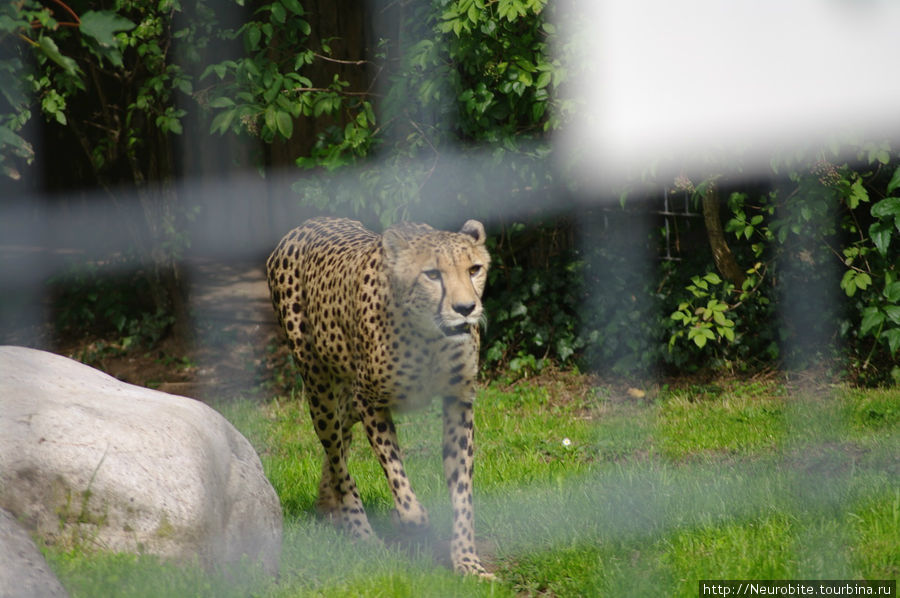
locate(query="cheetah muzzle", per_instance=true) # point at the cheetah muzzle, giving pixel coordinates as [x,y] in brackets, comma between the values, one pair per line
[383,322]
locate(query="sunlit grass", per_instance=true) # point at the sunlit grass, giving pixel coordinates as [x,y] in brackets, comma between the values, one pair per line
[744,420]
[876,526]
[584,491]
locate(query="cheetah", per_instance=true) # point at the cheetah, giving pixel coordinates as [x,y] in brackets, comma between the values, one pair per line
[380,323]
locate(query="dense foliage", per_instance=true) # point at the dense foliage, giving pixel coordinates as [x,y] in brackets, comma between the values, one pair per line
[455,104]
[818,248]
[819,243]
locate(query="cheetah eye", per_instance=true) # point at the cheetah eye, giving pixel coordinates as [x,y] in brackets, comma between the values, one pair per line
[475,270]
[432,274]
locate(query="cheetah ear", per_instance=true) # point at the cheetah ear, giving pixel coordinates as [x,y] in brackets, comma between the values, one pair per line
[474,229]
[393,242]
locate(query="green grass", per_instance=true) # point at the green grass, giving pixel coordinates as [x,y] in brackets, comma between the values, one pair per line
[583,491]
[742,420]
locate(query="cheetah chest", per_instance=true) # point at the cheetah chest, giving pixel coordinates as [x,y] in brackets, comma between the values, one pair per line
[409,373]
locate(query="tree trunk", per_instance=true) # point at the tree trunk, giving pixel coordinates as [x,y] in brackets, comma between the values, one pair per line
[724,259]
[164,244]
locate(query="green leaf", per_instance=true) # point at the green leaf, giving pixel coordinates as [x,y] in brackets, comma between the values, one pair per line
[173,125]
[103,25]
[252,38]
[473,13]
[543,79]
[720,319]
[293,6]
[848,282]
[274,88]
[872,317]
[713,278]
[701,334]
[893,339]
[220,70]
[20,146]
[886,208]
[285,124]
[858,194]
[880,233]
[279,15]
[221,102]
[892,292]
[893,313]
[100,27]
[699,340]
[518,310]
[321,106]
[895,181]
[728,333]
[51,51]
[270,118]
[184,85]
[222,121]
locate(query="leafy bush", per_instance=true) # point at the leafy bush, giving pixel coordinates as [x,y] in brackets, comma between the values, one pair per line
[820,254]
[533,309]
[825,221]
[113,300]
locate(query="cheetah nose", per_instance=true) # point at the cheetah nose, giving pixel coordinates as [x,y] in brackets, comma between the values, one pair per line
[464,309]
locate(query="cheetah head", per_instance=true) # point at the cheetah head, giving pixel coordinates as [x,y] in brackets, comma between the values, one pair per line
[438,277]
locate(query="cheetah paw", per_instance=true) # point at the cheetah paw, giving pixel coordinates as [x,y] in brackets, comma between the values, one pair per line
[411,526]
[475,568]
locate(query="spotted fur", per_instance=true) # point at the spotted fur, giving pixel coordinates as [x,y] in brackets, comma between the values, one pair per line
[380,323]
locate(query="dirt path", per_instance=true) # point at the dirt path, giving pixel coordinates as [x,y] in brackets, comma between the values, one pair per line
[236,346]
[237,349]
[236,334]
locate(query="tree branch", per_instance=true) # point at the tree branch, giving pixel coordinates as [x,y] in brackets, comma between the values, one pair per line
[326,89]
[338,61]
[68,10]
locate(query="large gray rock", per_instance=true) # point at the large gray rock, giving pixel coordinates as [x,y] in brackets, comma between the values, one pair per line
[23,571]
[87,459]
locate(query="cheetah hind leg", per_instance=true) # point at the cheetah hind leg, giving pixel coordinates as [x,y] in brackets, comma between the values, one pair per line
[338,495]
[328,506]
[328,503]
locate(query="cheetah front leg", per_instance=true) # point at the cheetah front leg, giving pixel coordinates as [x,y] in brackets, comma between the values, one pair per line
[458,452]
[382,436]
